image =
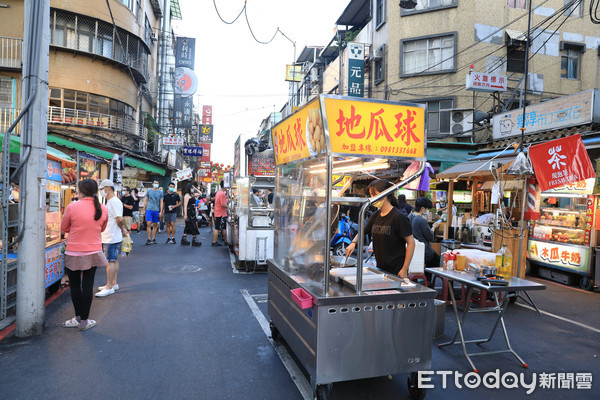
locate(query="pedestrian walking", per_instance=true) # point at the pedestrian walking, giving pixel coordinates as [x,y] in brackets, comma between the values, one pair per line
[210,204]
[128,203]
[112,237]
[220,211]
[172,201]
[161,217]
[84,221]
[135,211]
[154,211]
[189,213]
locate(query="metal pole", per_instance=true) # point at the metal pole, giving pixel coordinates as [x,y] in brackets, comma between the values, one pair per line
[30,275]
[524,87]
[524,204]
[329,186]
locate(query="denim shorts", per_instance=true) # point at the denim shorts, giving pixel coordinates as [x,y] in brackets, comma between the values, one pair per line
[170,217]
[152,216]
[111,251]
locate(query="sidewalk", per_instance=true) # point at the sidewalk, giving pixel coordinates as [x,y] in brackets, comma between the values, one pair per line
[192,335]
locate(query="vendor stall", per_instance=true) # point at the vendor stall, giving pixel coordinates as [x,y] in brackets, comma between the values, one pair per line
[343,323]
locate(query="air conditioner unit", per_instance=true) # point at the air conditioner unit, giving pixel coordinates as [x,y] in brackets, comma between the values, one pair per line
[143,146]
[153,37]
[314,75]
[376,55]
[461,120]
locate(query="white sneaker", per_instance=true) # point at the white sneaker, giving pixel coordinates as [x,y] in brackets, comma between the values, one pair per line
[105,292]
[116,287]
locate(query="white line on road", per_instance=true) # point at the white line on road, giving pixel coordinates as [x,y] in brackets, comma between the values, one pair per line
[561,318]
[289,364]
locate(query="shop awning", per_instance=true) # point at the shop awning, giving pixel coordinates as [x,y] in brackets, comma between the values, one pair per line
[15,148]
[445,154]
[473,169]
[80,146]
[146,166]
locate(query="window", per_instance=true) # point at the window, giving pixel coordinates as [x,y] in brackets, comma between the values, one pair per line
[431,55]
[520,4]
[93,103]
[104,41]
[64,31]
[428,5]
[6,93]
[148,32]
[438,116]
[85,34]
[574,8]
[379,13]
[379,65]
[127,3]
[515,57]
[569,63]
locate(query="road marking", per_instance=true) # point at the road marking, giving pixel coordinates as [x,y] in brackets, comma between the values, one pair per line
[297,376]
[561,318]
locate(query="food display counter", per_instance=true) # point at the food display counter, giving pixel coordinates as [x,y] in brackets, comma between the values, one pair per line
[561,242]
[353,326]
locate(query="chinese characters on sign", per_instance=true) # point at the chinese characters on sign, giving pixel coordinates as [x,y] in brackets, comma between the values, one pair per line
[290,135]
[207,115]
[54,171]
[480,82]
[356,62]
[184,52]
[262,164]
[54,266]
[172,141]
[193,151]
[561,162]
[205,133]
[572,257]
[182,112]
[376,128]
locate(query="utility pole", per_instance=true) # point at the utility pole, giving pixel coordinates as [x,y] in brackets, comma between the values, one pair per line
[30,275]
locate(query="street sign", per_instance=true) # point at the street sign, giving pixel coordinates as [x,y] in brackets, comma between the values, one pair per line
[184,174]
[480,82]
[172,141]
[193,151]
[205,133]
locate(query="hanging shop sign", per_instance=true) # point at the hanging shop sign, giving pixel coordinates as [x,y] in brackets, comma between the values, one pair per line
[202,172]
[182,111]
[172,141]
[356,64]
[236,158]
[262,164]
[184,174]
[88,168]
[565,256]
[490,83]
[207,115]
[582,187]
[293,73]
[589,219]
[382,129]
[185,82]
[193,151]
[300,135]
[53,171]
[561,162]
[577,109]
[205,133]
[185,49]
[463,196]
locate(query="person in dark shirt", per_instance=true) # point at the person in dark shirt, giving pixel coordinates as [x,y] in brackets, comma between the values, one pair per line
[393,242]
[135,211]
[172,201]
[422,232]
[128,202]
[403,205]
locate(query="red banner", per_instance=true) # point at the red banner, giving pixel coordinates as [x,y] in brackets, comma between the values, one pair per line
[560,162]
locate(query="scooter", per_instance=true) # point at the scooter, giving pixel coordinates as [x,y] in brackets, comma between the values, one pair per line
[343,236]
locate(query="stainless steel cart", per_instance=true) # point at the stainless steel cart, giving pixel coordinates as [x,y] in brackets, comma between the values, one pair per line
[370,325]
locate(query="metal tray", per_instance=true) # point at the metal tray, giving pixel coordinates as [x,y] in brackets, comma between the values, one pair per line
[373,279]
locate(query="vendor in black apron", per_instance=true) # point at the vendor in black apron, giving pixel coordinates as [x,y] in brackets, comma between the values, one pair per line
[391,230]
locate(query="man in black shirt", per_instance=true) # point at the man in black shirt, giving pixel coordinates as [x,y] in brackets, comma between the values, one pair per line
[135,211]
[128,202]
[171,201]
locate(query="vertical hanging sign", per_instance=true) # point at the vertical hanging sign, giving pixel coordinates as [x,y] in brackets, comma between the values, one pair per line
[207,115]
[356,64]
[185,49]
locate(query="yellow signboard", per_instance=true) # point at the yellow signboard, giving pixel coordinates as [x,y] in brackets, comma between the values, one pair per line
[300,135]
[342,182]
[293,73]
[371,128]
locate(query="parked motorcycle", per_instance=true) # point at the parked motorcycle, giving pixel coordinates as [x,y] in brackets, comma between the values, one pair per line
[343,236]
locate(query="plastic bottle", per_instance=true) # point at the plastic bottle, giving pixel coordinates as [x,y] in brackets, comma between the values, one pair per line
[504,261]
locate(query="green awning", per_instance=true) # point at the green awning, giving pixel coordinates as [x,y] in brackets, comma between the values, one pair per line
[146,166]
[447,154]
[80,146]
[15,147]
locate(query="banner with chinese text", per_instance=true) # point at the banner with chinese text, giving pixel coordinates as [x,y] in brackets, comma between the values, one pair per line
[564,256]
[262,164]
[382,129]
[293,136]
[561,162]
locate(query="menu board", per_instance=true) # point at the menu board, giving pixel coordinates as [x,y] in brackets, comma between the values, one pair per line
[89,168]
[462,197]
[262,164]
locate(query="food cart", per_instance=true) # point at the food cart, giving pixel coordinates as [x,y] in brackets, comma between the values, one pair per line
[343,323]
[250,219]
[561,241]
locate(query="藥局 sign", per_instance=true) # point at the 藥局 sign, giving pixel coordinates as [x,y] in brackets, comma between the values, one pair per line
[577,109]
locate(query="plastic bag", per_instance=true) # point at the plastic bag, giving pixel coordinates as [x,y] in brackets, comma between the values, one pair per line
[127,245]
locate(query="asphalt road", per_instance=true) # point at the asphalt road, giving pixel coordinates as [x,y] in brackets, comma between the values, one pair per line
[170,333]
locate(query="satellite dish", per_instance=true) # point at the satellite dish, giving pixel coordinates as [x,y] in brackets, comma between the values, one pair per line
[408,4]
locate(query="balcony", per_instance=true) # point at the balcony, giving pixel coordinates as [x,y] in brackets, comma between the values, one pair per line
[10,53]
[67,116]
[7,116]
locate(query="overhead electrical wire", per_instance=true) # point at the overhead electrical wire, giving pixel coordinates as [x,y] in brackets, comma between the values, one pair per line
[236,18]
[594,13]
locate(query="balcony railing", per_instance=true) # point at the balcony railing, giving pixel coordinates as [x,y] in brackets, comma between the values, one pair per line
[10,53]
[68,116]
[7,116]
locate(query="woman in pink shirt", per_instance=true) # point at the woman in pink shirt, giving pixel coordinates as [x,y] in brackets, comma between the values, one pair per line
[84,220]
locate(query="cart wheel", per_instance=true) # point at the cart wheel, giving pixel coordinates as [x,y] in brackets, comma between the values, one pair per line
[322,392]
[416,393]
[585,283]
[275,335]
[340,249]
